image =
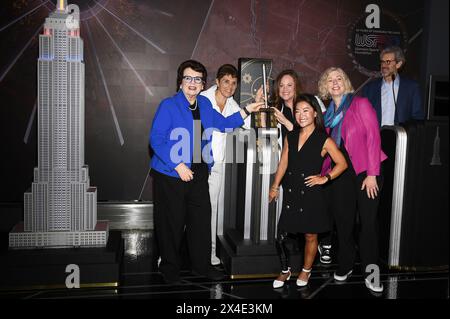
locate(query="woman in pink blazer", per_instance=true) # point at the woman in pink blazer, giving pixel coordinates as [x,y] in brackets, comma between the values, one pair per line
[352,123]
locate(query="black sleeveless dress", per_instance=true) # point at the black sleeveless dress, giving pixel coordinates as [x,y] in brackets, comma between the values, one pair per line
[304,208]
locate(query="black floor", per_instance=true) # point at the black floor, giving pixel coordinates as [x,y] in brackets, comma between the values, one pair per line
[140,280]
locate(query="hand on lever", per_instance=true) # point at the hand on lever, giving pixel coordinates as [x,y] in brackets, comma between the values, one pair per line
[259,97]
[254,107]
[282,119]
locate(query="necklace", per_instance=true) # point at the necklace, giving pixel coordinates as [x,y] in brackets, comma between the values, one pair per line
[195,107]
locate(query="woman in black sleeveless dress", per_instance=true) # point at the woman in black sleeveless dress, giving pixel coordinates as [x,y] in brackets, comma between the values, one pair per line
[304,208]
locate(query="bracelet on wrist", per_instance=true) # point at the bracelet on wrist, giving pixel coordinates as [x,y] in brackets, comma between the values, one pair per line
[246,111]
[328,176]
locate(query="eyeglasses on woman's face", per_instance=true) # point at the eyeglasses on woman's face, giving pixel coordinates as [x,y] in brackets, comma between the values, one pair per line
[195,79]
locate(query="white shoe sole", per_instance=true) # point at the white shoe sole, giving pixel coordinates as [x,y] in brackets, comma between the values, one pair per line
[342,278]
[373,288]
[320,258]
[215,261]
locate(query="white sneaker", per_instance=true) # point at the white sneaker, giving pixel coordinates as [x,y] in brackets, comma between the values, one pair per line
[325,253]
[344,277]
[371,286]
[214,260]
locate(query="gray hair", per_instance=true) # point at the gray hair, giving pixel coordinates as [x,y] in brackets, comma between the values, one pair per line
[399,56]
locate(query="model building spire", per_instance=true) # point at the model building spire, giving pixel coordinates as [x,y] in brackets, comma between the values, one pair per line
[62,4]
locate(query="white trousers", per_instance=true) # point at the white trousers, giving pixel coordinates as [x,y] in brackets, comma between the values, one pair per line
[216,194]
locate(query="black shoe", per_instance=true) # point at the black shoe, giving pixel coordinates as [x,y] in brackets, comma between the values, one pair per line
[215,274]
[171,279]
[218,268]
[212,273]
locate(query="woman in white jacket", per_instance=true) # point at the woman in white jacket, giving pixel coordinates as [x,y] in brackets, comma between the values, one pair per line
[221,97]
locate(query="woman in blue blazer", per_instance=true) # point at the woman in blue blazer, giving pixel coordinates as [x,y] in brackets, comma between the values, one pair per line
[181,141]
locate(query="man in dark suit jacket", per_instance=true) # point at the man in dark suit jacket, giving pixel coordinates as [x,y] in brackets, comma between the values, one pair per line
[396,99]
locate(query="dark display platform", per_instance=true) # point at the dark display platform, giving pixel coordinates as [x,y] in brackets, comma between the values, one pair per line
[245,259]
[46,268]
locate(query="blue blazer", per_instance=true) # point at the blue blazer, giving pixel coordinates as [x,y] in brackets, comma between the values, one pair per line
[409,100]
[172,133]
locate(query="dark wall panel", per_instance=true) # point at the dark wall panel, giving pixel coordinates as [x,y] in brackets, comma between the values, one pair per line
[132,50]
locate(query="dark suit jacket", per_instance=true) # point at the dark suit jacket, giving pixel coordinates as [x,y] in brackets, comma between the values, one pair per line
[409,100]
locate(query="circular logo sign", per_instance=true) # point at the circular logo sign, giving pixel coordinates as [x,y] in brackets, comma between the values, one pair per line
[370,34]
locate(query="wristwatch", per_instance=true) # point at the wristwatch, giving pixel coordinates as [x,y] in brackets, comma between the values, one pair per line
[328,176]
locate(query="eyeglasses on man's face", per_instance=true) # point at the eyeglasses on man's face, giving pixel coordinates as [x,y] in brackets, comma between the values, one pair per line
[387,62]
[195,79]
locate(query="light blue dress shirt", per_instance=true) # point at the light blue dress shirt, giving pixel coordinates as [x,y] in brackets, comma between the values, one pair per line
[387,101]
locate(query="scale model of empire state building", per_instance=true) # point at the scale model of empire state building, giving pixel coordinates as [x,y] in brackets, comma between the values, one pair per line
[60,210]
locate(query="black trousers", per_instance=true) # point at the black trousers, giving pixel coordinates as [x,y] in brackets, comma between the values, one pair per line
[368,218]
[181,207]
[341,198]
[346,199]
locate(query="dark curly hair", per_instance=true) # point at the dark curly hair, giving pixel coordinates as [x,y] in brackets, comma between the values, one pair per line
[194,65]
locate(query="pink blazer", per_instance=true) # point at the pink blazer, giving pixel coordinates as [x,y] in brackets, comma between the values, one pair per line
[361,136]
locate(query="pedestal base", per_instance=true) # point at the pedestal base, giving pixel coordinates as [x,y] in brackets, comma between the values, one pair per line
[245,259]
[46,268]
[20,239]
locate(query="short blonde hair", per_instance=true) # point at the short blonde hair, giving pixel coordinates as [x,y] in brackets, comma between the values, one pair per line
[322,84]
